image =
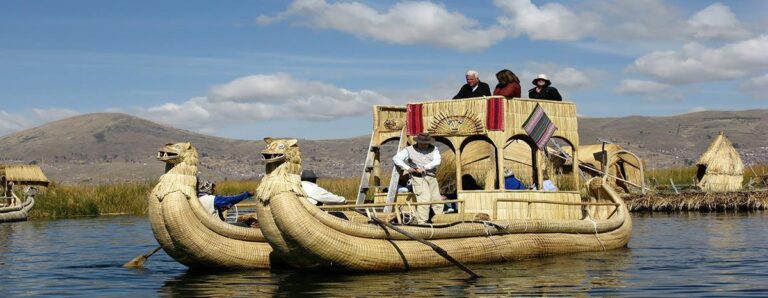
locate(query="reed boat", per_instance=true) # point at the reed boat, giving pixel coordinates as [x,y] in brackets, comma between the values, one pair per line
[492,224]
[187,232]
[13,177]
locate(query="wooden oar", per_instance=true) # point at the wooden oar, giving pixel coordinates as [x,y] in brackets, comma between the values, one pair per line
[139,261]
[434,247]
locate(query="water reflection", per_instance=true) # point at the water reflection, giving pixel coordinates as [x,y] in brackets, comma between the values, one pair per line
[681,254]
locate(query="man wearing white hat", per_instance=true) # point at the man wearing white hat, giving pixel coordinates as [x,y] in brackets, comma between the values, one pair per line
[543,90]
[420,161]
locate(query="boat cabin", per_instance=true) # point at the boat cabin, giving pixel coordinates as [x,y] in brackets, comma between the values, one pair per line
[480,138]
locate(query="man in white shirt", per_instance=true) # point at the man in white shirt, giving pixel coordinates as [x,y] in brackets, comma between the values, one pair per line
[420,161]
[315,193]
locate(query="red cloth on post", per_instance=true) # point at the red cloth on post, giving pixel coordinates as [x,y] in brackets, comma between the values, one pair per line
[414,122]
[495,113]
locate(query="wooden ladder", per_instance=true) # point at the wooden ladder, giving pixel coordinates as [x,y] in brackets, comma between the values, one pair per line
[365,179]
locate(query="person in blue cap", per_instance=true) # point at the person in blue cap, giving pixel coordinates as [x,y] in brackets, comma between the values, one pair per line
[214,204]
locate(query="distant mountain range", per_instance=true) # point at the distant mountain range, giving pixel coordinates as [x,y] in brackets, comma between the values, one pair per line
[111,147]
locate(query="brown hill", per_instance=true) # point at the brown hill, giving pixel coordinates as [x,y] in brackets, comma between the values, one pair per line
[109,147]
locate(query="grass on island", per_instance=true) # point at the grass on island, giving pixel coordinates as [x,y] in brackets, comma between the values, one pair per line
[131,198]
[59,201]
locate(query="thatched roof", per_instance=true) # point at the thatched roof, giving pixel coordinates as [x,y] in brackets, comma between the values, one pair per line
[24,174]
[720,166]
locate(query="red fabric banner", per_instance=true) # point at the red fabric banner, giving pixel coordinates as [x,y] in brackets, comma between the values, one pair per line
[495,113]
[414,120]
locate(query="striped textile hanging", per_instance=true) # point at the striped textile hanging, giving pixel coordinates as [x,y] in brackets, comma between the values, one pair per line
[539,127]
[495,113]
[414,122]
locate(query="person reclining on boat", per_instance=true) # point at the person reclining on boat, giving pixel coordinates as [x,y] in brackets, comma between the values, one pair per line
[473,87]
[549,185]
[216,205]
[511,182]
[420,161]
[316,194]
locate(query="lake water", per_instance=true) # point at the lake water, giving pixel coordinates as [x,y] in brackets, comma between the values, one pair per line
[717,254]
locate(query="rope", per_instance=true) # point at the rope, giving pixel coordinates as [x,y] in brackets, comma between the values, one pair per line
[594,224]
[431,231]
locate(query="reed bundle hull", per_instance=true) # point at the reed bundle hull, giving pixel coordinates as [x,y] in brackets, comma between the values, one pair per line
[189,234]
[334,242]
[17,213]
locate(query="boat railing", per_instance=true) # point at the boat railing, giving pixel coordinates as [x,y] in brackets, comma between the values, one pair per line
[530,202]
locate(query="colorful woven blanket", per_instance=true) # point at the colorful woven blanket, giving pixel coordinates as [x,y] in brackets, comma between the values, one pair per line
[539,127]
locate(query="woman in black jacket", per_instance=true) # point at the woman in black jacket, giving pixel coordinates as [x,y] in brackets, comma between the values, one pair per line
[543,90]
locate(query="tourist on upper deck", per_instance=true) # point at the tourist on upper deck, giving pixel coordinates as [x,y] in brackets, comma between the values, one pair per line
[316,194]
[511,182]
[509,84]
[473,87]
[216,205]
[543,90]
[420,161]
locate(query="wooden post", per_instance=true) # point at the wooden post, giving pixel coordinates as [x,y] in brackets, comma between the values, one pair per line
[576,168]
[377,167]
[539,170]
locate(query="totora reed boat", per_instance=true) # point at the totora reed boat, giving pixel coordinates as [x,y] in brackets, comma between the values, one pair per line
[14,176]
[187,232]
[492,225]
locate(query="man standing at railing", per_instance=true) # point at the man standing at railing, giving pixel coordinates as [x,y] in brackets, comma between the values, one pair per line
[473,87]
[420,161]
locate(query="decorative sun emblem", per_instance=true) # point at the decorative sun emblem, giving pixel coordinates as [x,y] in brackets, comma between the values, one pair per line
[393,124]
[451,125]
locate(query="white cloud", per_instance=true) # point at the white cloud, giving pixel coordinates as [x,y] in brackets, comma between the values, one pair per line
[265,97]
[53,114]
[404,23]
[697,109]
[756,87]
[10,123]
[697,63]
[562,77]
[641,87]
[716,21]
[551,21]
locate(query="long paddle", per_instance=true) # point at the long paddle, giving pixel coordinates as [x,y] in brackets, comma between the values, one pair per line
[434,247]
[139,261]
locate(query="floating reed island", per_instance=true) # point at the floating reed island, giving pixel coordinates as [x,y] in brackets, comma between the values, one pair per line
[717,185]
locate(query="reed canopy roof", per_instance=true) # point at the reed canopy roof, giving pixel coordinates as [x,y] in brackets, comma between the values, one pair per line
[720,166]
[24,174]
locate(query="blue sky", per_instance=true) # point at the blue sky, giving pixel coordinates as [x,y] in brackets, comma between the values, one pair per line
[313,68]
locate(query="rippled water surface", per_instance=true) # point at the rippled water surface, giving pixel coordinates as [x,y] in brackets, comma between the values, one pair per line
[670,255]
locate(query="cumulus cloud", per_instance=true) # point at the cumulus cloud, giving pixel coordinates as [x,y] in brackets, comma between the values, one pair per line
[53,114]
[641,87]
[551,21]
[716,21]
[698,63]
[562,77]
[265,97]
[404,23]
[756,87]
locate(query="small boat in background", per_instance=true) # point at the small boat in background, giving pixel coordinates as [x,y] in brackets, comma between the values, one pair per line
[12,177]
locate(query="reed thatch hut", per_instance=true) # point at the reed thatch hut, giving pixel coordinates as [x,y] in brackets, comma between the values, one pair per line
[720,168]
[24,175]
